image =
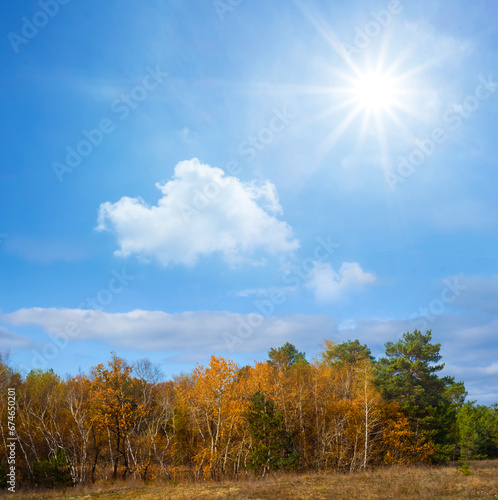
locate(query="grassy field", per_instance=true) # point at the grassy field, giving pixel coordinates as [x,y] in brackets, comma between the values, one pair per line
[387,483]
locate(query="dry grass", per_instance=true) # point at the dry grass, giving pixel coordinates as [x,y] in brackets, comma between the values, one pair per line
[396,483]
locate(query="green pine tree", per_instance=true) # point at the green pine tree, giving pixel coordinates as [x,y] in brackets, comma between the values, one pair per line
[408,375]
[273,446]
[52,473]
[286,356]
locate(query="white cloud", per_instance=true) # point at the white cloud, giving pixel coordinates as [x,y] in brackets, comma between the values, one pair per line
[331,286]
[491,369]
[10,340]
[201,212]
[196,333]
[468,344]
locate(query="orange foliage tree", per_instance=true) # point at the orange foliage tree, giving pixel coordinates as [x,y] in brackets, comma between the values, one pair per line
[218,421]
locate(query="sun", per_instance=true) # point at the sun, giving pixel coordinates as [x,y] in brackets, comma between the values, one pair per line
[374,103]
[375,97]
[371,97]
[374,92]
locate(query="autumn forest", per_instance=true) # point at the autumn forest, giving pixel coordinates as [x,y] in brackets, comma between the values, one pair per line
[343,411]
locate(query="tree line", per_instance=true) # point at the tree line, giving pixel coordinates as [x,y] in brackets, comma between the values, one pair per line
[343,411]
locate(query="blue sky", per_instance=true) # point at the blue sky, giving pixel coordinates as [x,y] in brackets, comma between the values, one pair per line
[188,178]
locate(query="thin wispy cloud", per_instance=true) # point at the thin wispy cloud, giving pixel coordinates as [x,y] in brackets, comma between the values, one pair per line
[195,331]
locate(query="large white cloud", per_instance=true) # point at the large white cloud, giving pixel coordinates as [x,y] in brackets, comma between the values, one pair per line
[201,212]
[331,286]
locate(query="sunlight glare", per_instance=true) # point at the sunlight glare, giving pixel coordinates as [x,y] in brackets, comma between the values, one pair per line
[374,92]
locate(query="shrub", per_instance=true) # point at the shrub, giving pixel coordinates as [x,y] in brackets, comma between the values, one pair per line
[464,469]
